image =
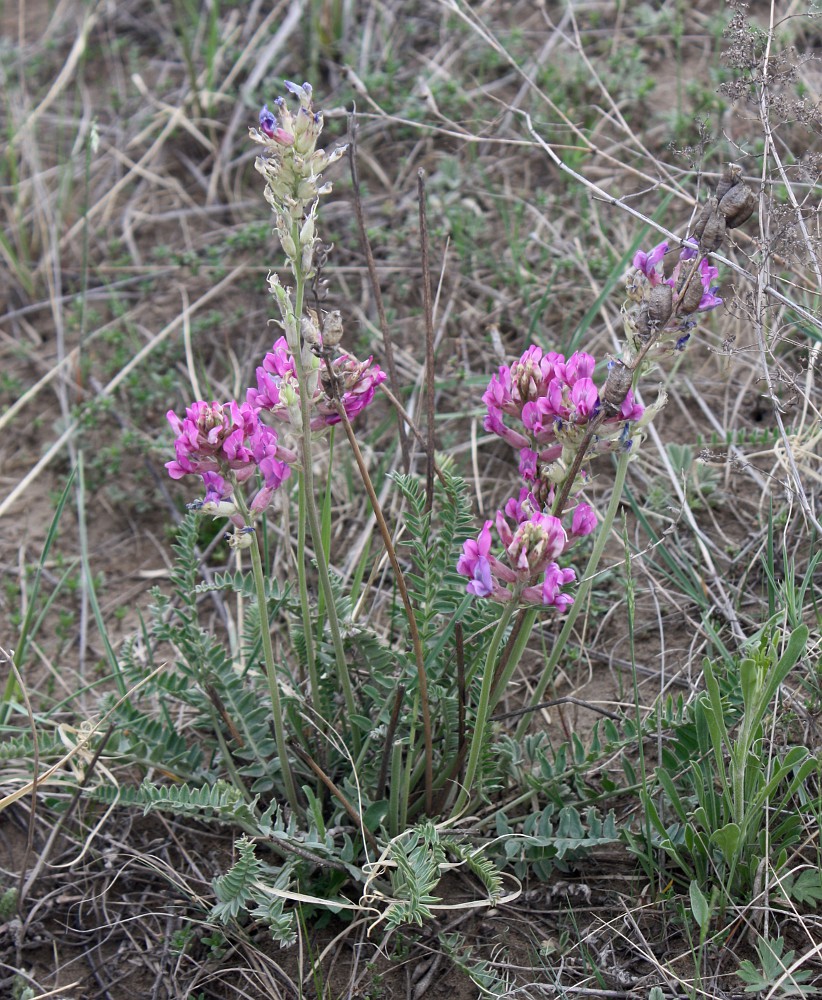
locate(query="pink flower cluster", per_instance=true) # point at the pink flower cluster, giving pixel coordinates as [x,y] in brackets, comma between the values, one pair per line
[651,265]
[221,440]
[552,400]
[277,390]
[215,439]
[532,542]
[541,405]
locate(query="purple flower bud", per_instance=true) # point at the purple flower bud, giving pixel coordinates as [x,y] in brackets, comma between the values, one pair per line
[268,121]
[650,263]
[270,128]
[584,520]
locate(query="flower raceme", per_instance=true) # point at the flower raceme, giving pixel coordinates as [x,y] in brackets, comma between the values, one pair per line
[221,440]
[531,547]
[228,443]
[551,401]
[542,405]
[292,167]
[278,391]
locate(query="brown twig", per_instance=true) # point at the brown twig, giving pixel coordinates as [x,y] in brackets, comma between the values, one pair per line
[409,420]
[353,814]
[419,656]
[388,345]
[567,700]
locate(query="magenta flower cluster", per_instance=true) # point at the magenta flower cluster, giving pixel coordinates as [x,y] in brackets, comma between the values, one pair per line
[541,405]
[277,390]
[550,401]
[532,541]
[217,439]
[229,442]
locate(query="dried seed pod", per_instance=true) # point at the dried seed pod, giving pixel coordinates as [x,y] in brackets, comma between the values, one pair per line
[332,328]
[731,176]
[616,388]
[309,333]
[643,324]
[660,306]
[714,232]
[737,205]
[689,302]
[702,218]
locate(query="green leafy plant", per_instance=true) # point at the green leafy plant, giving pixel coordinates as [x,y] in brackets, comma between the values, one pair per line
[776,973]
[733,798]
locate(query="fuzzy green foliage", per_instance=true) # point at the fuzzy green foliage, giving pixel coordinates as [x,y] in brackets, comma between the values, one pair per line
[213,737]
[490,978]
[418,857]
[551,836]
[8,903]
[774,973]
[252,886]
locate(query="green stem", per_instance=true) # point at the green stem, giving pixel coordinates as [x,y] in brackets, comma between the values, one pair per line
[515,654]
[582,592]
[268,656]
[305,604]
[308,500]
[483,708]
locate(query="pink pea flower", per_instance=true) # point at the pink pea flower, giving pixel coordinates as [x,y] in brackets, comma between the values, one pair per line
[270,126]
[474,563]
[358,381]
[548,592]
[494,424]
[583,520]
[651,263]
[538,418]
[537,540]
[531,542]
[552,400]
[579,366]
[528,464]
[277,387]
[707,275]
[278,391]
[522,506]
[630,409]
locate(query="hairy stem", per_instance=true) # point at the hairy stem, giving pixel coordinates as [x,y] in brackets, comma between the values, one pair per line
[305,604]
[307,501]
[268,658]
[582,592]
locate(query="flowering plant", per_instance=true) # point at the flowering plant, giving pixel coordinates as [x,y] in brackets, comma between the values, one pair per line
[387,730]
[553,414]
[278,390]
[230,446]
